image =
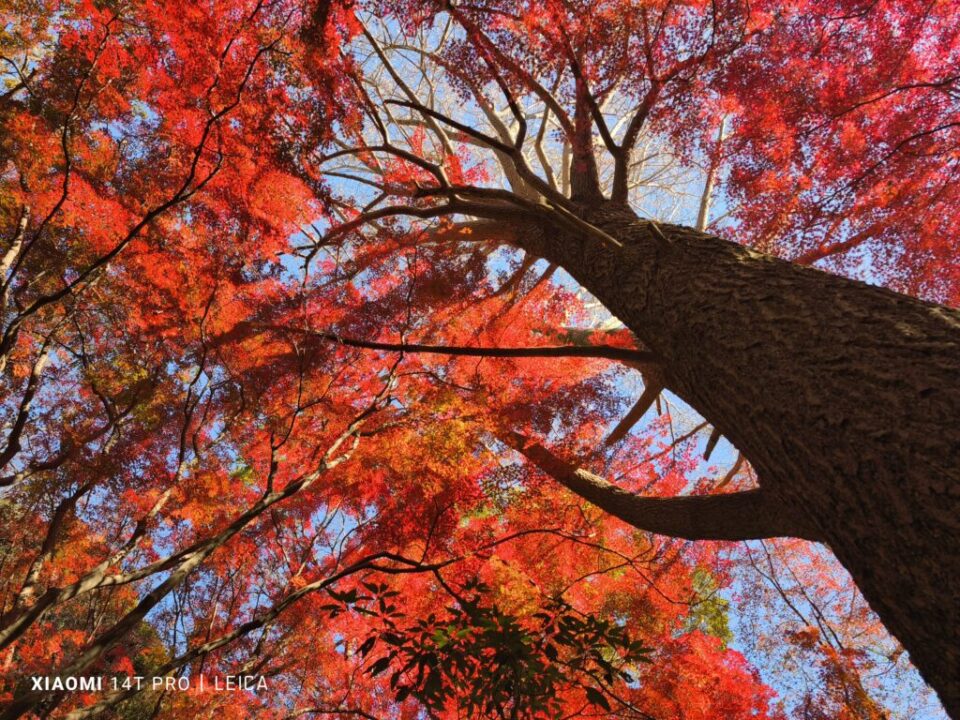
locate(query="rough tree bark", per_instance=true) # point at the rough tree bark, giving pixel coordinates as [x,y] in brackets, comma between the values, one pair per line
[845,398]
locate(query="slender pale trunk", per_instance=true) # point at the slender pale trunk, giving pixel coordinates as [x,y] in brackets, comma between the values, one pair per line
[845,398]
[706,197]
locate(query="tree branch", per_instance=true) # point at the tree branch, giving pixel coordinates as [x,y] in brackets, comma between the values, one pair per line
[650,394]
[607,352]
[622,166]
[744,515]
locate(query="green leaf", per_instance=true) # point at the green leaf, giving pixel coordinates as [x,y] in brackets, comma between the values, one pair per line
[367,646]
[379,666]
[596,697]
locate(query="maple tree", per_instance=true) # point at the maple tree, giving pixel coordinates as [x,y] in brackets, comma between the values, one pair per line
[300,380]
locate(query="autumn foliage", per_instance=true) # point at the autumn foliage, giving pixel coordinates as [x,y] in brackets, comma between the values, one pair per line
[207,210]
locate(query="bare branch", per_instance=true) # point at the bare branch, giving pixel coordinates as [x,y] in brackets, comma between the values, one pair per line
[650,394]
[607,352]
[744,515]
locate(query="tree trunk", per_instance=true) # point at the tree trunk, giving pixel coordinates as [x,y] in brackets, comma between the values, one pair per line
[845,398]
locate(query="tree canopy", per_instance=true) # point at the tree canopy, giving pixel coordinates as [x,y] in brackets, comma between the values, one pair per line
[292,385]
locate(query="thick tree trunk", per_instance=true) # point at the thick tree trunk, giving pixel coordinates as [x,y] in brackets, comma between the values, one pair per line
[845,398]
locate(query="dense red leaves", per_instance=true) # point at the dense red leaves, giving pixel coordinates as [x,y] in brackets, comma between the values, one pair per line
[858,163]
[167,313]
[698,678]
